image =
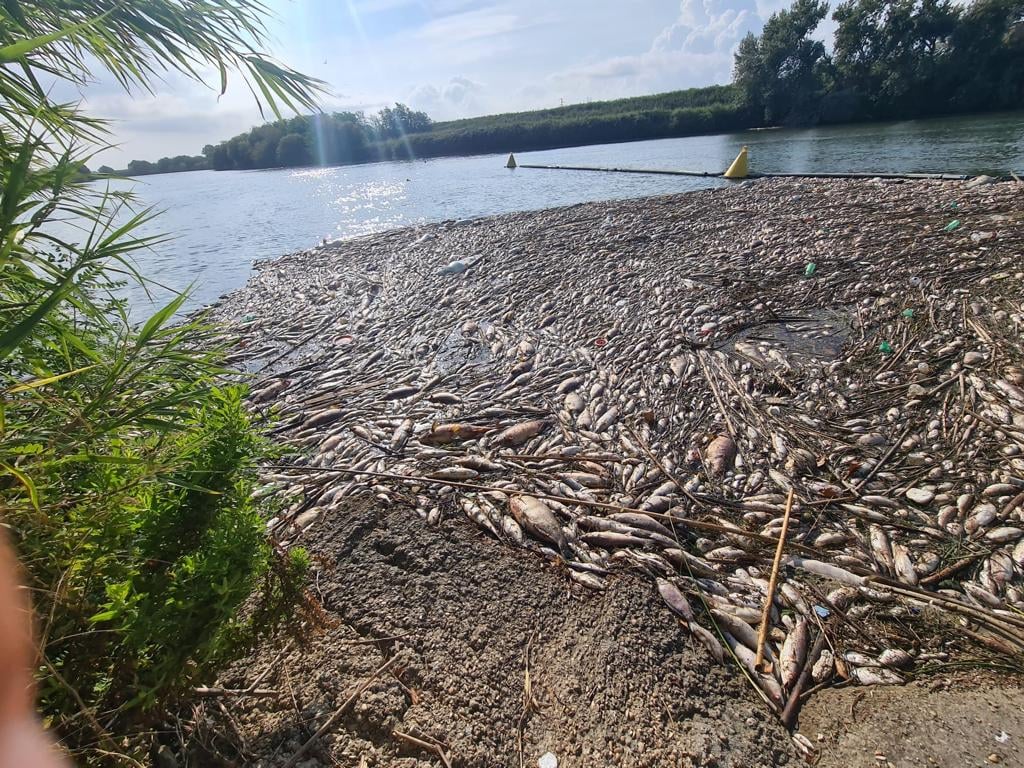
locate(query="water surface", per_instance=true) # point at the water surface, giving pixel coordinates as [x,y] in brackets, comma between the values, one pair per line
[223,221]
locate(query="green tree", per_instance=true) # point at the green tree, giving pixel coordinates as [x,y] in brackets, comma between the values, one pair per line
[292,151]
[783,70]
[986,63]
[892,52]
[140,168]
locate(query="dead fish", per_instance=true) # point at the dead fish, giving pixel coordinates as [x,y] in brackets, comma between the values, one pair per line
[881,548]
[610,417]
[520,433]
[904,565]
[793,654]
[746,657]
[928,563]
[793,597]
[614,540]
[825,570]
[656,504]
[480,464]
[727,554]
[510,528]
[586,479]
[996,490]
[574,403]
[896,657]
[401,393]
[823,667]
[321,418]
[709,640]
[535,516]
[455,473]
[639,520]
[478,516]
[829,539]
[444,398]
[270,392]
[569,385]
[735,627]
[401,435]
[444,434]
[690,564]
[588,580]
[720,455]
[1003,535]
[675,599]
[876,676]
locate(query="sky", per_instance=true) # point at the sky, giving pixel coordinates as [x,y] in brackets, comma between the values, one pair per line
[450,58]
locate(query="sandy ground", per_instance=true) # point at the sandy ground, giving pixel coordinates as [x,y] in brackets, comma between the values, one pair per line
[615,680]
[941,722]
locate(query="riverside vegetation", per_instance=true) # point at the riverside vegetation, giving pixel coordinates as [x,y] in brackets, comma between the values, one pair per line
[125,467]
[891,59]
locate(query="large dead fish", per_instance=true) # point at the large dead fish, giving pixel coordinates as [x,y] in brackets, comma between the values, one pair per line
[444,434]
[675,599]
[520,433]
[538,520]
[720,455]
[793,654]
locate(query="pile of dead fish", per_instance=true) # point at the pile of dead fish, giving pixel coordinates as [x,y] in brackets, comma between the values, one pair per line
[639,385]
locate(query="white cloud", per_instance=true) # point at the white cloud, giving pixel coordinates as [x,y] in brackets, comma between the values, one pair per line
[468,25]
[695,49]
[460,97]
[452,58]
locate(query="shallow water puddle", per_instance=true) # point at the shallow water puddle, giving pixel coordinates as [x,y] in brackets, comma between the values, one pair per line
[805,339]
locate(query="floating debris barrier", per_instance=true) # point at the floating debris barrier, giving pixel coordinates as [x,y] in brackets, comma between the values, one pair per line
[639,385]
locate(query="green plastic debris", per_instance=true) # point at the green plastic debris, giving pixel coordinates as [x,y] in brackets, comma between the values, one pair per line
[885,348]
[952,225]
[908,313]
[954,205]
[810,269]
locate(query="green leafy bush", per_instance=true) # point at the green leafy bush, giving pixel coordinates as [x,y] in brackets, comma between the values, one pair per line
[126,467]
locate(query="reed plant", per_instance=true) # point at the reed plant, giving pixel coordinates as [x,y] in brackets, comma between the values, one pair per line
[126,462]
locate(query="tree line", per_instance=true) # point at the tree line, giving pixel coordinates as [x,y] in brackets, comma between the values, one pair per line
[891,59]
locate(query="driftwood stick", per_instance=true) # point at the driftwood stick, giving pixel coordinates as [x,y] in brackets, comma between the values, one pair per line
[329,723]
[762,632]
[208,692]
[444,756]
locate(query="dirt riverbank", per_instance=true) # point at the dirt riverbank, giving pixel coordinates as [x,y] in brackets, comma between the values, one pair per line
[615,679]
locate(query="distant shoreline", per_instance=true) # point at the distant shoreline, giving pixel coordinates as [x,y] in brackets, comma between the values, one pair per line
[755,130]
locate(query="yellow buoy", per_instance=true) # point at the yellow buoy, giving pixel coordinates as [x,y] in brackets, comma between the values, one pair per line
[740,166]
[511,161]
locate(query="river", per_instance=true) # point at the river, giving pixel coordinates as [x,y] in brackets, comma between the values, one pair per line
[220,222]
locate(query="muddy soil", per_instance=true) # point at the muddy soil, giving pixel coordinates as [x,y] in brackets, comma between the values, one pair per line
[943,722]
[615,680]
